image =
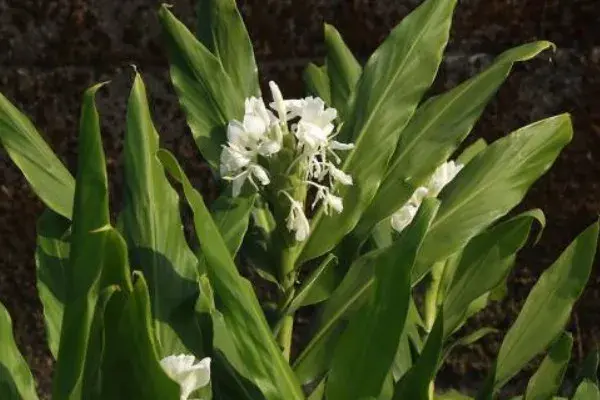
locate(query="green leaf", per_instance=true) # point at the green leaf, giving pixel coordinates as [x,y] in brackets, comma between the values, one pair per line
[240,308]
[317,287]
[410,343]
[52,260]
[222,31]
[546,381]
[491,185]
[16,381]
[546,310]
[352,292]
[485,262]
[388,92]
[471,151]
[342,68]
[587,390]
[206,93]
[434,133]
[359,371]
[317,82]
[131,347]
[226,379]
[467,341]
[232,215]
[415,384]
[91,224]
[154,230]
[46,174]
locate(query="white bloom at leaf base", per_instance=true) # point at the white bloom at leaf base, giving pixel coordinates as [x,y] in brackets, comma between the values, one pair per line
[328,200]
[296,221]
[189,374]
[403,217]
[443,175]
[246,140]
[316,123]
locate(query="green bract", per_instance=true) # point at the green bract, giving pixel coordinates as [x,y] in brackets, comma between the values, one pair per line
[345,201]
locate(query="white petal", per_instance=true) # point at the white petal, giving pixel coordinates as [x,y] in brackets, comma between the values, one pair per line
[328,116]
[302,227]
[268,148]
[279,104]
[310,135]
[260,173]
[296,221]
[335,202]
[236,133]
[417,197]
[443,175]
[403,217]
[238,183]
[255,126]
[335,145]
[189,375]
[232,160]
[339,175]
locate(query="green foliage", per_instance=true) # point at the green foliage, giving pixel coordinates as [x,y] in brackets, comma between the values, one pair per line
[118,303]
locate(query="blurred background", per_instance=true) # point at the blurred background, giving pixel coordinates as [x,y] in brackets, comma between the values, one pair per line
[52,50]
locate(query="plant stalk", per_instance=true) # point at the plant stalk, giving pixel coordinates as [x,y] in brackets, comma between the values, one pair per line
[287,279]
[431,305]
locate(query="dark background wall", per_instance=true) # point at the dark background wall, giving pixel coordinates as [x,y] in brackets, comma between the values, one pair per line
[51,50]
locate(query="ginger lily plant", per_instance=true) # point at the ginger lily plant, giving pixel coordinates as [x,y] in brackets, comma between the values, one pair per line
[343,200]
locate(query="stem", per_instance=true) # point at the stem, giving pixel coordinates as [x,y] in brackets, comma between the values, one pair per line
[431,305]
[287,279]
[431,296]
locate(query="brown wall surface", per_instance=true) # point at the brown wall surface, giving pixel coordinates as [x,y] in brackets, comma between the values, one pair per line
[51,50]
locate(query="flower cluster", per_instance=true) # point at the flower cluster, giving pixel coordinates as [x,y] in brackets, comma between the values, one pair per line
[189,374]
[440,178]
[260,136]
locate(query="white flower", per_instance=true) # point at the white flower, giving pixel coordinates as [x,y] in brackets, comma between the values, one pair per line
[296,220]
[316,123]
[403,217]
[246,141]
[418,196]
[253,170]
[338,175]
[442,176]
[189,374]
[233,159]
[278,103]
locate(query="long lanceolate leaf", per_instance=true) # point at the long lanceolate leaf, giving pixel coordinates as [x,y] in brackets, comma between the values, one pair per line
[434,133]
[16,382]
[388,92]
[546,381]
[43,170]
[358,370]
[51,259]
[153,228]
[546,310]
[317,82]
[486,260]
[206,93]
[91,232]
[489,186]
[131,348]
[415,384]
[240,308]
[221,29]
[343,70]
